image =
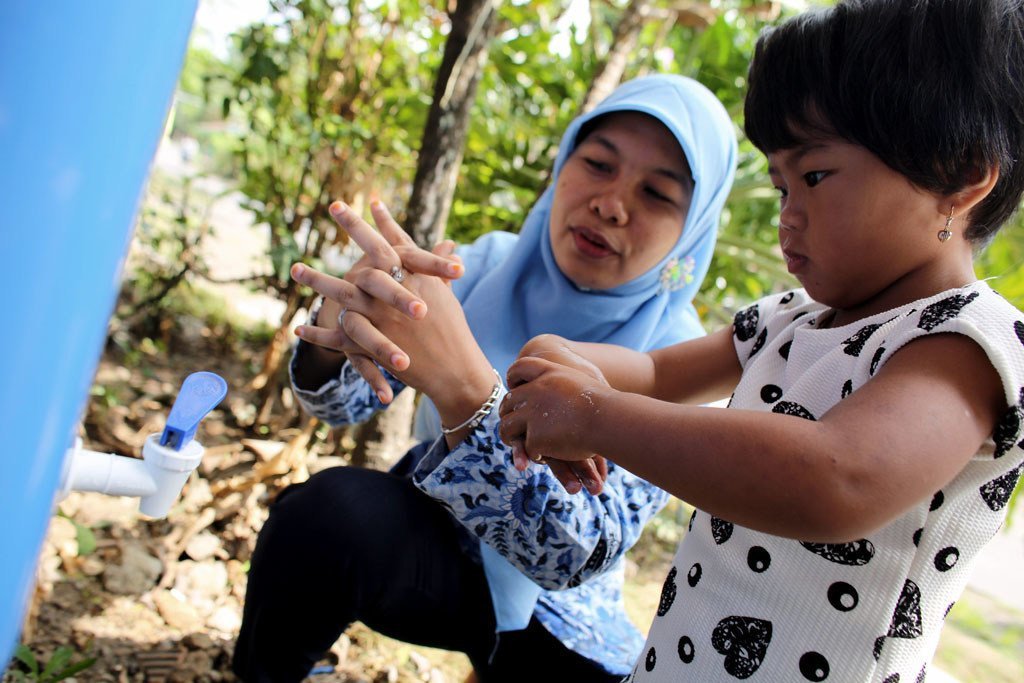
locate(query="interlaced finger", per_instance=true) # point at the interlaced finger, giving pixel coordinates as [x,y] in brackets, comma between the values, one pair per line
[334,339]
[416,260]
[374,344]
[513,427]
[388,226]
[345,293]
[369,371]
[383,287]
[381,254]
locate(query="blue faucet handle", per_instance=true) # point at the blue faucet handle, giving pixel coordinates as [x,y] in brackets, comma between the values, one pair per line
[200,393]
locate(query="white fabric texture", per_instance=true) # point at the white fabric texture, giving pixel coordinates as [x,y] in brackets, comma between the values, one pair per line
[740,604]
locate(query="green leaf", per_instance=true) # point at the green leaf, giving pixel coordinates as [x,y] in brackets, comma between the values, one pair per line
[59,660]
[83,534]
[74,668]
[86,539]
[25,656]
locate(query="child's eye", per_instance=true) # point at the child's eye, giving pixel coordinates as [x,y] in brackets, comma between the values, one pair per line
[782,192]
[814,177]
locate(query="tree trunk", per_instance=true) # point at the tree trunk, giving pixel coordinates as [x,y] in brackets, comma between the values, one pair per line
[269,380]
[609,74]
[383,438]
[437,168]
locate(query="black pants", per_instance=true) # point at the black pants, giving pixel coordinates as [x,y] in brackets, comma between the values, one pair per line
[353,544]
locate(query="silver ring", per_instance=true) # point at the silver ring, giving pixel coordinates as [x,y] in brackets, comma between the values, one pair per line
[397,273]
[341,317]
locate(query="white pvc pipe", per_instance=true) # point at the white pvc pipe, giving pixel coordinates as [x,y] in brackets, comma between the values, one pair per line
[108,473]
[157,479]
[170,469]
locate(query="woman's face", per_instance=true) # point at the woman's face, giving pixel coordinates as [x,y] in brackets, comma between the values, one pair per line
[620,202]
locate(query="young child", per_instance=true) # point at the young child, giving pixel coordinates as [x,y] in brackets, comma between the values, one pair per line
[874,431]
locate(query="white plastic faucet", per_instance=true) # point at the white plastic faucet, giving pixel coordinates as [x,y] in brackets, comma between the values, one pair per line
[167,459]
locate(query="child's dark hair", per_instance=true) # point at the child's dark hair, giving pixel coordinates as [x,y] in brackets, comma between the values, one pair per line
[934,88]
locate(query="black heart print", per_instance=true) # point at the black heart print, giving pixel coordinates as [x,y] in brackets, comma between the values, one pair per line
[759,342]
[853,554]
[744,642]
[855,344]
[939,312]
[906,619]
[745,323]
[721,530]
[790,408]
[668,593]
[996,493]
[1007,430]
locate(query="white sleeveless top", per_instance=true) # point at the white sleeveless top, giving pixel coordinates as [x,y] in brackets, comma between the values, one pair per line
[741,604]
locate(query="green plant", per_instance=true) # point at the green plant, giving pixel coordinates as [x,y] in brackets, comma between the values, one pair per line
[57,668]
[83,534]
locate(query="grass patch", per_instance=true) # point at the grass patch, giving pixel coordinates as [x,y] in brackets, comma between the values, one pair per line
[983,641]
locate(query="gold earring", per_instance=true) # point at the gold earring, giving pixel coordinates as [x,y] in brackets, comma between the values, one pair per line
[946,233]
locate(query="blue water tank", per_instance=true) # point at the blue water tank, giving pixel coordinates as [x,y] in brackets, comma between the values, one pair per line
[85,88]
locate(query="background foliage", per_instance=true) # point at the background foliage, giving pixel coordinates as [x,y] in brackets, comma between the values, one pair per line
[326,99]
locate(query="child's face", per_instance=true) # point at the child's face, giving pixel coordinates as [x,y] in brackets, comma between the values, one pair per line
[620,202]
[854,232]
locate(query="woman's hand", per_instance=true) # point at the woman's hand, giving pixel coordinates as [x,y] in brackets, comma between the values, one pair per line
[386,320]
[591,471]
[341,326]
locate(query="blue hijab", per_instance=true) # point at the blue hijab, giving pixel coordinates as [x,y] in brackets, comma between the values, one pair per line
[526,294]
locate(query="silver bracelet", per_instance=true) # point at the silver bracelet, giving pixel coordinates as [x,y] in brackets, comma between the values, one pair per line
[483,411]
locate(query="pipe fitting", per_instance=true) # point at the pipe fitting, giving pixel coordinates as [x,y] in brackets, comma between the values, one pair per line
[157,479]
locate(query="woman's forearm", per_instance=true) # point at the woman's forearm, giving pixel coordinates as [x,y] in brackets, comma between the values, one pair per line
[555,538]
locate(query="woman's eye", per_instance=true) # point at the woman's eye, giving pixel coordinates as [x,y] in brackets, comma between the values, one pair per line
[814,177]
[659,196]
[598,165]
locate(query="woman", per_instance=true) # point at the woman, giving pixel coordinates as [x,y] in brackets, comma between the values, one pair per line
[506,566]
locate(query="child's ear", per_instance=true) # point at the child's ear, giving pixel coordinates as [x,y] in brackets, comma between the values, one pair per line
[979,184]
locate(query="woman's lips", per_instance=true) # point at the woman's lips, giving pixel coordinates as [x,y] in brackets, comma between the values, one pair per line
[591,243]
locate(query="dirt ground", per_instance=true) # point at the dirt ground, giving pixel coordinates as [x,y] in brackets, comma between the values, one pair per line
[160,600]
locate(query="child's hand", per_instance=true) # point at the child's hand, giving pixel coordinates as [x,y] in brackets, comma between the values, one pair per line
[590,474]
[574,476]
[557,350]
[550,409]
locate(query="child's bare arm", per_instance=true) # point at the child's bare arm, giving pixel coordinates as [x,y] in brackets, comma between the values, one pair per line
[892,443]
[696,371]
